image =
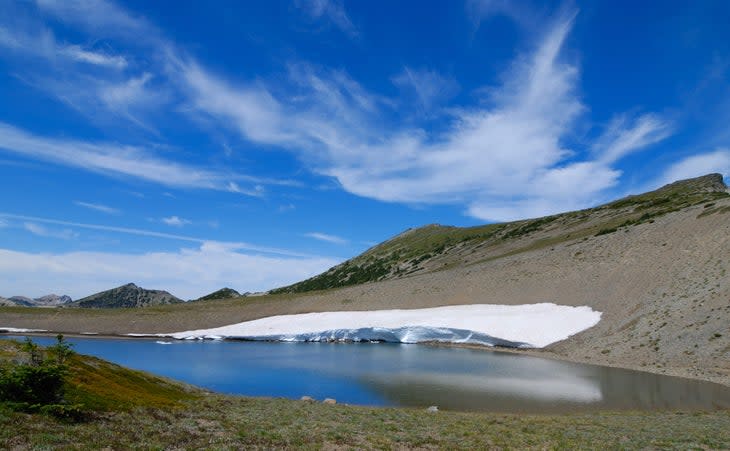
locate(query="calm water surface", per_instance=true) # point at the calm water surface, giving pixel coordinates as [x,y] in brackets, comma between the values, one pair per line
[383,374]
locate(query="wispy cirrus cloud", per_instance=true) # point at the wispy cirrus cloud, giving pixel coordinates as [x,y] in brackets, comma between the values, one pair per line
[176,221]
[339,129]
[624,136]
[37,229]
[233,246]
[334,239]
[112,159]
[333,11]
[428,87]
[98,207]
[101,17]
[80,54]
[42,43]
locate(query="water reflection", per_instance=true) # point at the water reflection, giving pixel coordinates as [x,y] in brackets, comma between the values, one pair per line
[406,375]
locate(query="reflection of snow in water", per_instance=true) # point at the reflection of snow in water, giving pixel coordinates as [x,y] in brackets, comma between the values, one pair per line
[560,388]
[529,325]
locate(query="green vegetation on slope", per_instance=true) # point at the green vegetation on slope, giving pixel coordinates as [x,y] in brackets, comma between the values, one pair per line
[223,293]
[97,385]
[435,247]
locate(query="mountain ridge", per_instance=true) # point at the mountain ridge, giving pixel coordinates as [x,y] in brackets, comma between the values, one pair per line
[433,247]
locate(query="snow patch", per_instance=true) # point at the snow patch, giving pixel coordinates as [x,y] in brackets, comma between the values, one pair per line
[19,330]
[524,326]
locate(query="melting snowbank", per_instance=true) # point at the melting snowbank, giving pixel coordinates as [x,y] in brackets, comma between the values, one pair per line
[530,325]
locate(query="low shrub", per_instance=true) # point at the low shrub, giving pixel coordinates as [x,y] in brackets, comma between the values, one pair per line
[37,383]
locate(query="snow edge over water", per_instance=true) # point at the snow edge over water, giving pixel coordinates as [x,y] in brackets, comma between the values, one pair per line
[518,326]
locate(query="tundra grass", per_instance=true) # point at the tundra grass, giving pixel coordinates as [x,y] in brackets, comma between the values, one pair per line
[226,422]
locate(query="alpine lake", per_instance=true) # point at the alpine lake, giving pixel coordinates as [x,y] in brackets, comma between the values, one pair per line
[387,374]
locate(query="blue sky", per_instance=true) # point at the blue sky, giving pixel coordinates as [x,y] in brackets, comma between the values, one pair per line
[188,146]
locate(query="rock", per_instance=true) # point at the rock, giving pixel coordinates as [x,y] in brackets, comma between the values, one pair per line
[432,409]
[306,398]
[329,401]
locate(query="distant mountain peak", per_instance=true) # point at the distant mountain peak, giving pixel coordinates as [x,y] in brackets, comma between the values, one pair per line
[49,300]
[223,293]
[126,296]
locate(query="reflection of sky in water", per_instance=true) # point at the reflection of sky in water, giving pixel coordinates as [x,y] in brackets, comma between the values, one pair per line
[394,374]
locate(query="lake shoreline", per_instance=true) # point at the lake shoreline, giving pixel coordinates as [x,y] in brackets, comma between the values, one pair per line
[686,373]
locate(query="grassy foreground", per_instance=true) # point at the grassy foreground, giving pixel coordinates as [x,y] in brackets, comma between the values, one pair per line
[218,422]
[134,410]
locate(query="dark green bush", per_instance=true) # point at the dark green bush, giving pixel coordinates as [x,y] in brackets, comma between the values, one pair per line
[32,384]
[37,383]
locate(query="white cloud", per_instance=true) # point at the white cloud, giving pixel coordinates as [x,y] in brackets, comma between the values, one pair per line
[503,159]
[428,86]
[98,207]
[100,59]
[240,246]
[188,273]
[251,109]
[624,136]
[41,42]
[101,17]
[326,237]
[134,91]
[93,81]
[256,191]
[37,229]
[697,165]
[331,10]
[4,223]
[112,159]
[176,221]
